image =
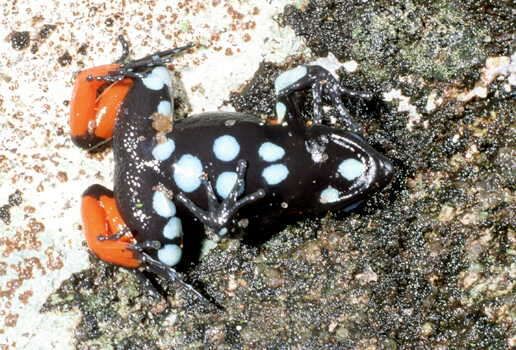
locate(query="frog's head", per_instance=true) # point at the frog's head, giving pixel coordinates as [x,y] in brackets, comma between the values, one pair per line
[354,168]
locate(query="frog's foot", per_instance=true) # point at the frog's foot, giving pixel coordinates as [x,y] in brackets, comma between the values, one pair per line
[323,85]
[168,273]
[218,217]
[106,233]
[138,68]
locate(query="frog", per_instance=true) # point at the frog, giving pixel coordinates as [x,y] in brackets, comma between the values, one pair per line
[214,171]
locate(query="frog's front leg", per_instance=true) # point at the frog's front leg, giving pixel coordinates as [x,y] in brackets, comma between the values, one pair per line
[219,214]
[323,84]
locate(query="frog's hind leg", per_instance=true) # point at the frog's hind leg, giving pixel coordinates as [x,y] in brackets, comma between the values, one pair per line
[106,233]
[323,85]
[95,105]
[111,240]
[100,92]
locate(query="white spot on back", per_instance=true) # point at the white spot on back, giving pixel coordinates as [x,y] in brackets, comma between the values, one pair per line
[281,110]
[226,148]
[163,150]
[164,74]
[329,195]
[170,254]
[351,168]
[271,152]
[165,108]
[187,173]
[162,205]
[289,77]
[173,228]
[225,183]
[157,78]
[274,174]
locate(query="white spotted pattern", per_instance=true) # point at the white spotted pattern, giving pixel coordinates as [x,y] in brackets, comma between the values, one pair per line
[281,110]
[274,174]
[225,183]
[289,77]
[187,173]
[162,205]
[226,148]
[165,108]
[170,254]
[164,150]
[173,229]
[351,168]
[156,79]
[329,195]
[271,152]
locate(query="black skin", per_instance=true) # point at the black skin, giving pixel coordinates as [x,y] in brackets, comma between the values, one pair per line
[251,198]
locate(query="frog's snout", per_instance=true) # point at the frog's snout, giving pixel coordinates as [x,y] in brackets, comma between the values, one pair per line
[386,169]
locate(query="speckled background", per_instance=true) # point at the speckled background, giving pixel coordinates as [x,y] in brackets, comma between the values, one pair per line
[427,264]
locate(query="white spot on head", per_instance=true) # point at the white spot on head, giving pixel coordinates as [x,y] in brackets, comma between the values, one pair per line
[281,110]
[187,173]
[165,108]
[289,77]
[271,152]
[225,183]
[170,254]
[163,150]
[351,168]
[173,228]
[162,205]
[329,195]
[226,148]
[157,78]
[274,174]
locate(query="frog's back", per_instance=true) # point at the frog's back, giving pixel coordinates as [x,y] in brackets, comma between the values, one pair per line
[212,144]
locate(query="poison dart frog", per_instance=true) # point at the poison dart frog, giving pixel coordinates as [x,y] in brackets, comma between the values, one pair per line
[214,169]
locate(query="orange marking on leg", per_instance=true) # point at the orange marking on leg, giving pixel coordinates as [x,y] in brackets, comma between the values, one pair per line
[107,107]
[272,122]
[114,219]
[102,218]
[91,114]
